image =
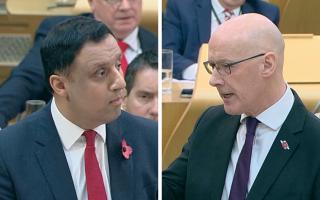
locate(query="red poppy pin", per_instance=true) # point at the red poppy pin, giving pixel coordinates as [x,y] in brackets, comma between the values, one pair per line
[126,149]
[284,144]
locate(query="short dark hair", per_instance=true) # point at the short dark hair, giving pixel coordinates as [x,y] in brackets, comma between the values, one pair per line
[145,60]
[65,40]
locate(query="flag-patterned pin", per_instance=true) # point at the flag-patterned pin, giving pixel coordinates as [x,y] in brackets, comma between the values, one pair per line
[284,144]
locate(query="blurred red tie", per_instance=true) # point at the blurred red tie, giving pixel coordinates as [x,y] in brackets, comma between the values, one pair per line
[228,14]
[124,63]
[94,180]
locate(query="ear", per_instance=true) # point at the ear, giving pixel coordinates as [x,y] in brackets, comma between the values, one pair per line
[269,66]
[58,84]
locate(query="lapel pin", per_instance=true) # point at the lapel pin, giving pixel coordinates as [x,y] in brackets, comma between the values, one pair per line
[284,144]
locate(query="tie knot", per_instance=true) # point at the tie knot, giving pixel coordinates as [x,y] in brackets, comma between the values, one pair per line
[228,14]
[123,46]
[90,136]
[251,124]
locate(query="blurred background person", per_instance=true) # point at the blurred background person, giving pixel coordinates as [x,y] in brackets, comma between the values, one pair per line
[142,85]
[188,24]
[27,80]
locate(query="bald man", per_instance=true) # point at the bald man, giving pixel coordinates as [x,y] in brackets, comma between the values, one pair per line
[262,143]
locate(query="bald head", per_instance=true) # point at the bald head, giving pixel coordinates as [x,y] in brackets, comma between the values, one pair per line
[254,49]
[249,34]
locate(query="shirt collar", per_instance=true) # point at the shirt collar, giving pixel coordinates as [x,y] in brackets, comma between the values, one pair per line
[219,8]
[132,40]
[69,132]
[275,115]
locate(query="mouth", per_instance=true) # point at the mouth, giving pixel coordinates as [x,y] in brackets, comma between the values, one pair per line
[226,96]
[124,18]
[117,101]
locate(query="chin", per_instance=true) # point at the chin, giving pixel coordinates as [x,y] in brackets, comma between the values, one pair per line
[231,111]
[110,116]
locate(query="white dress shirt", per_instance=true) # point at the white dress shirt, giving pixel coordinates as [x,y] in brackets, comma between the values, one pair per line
[74,144]
[266,132]
[134,45]
[219,11]
[190,72]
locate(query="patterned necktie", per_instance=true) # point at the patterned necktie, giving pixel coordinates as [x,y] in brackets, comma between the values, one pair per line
[239,185]
[94,180]
[124,63]
[228,14]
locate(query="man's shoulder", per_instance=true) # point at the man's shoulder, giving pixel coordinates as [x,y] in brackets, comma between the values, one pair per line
[135,122]
[23,131]
[49,22]
[262,6]
[148,39]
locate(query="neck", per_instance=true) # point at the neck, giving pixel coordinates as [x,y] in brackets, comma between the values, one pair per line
[270,96]
[227,6]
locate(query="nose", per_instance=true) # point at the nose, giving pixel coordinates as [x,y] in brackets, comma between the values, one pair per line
[215,79]
[124,4]
[154,109]
[118,82]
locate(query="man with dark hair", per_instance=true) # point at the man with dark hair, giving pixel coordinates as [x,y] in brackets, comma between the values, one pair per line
[142,86]
[188,24]
[81,145]
[27,80]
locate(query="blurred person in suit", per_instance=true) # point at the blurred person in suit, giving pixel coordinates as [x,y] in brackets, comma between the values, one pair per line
[142,85]
[27,80]
[81,145]
[188,24]
[262,143]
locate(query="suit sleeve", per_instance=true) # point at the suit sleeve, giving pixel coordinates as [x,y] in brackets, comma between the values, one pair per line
[174,178]
[6,186]
[172,38]
[26,81]
[316,190]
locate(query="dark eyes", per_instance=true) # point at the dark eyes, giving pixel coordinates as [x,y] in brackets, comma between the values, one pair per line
[100,72]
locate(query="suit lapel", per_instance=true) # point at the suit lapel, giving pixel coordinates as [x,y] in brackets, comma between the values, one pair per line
[278,156]
[121,170]
[51,158]
[203,12]
[219,160]
[247,8]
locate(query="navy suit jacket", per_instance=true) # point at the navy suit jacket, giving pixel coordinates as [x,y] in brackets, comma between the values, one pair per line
[187,25]
[27,80]
[33,165]
[200,171]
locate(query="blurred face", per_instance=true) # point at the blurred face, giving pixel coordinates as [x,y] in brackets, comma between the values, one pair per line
[231,4]
[143,97]
[242,89]
[121,16]
[95,88]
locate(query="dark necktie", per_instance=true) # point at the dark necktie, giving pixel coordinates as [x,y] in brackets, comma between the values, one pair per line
[124,63]
[94,180]
[228,14]
[239,185]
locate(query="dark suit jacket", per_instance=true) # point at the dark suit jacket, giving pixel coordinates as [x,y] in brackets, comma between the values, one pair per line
[33,165]
[200,171]
[187,25]
[27,80]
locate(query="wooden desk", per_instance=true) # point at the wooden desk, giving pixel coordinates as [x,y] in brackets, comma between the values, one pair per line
[172,108]
[37,7]
[4,73]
